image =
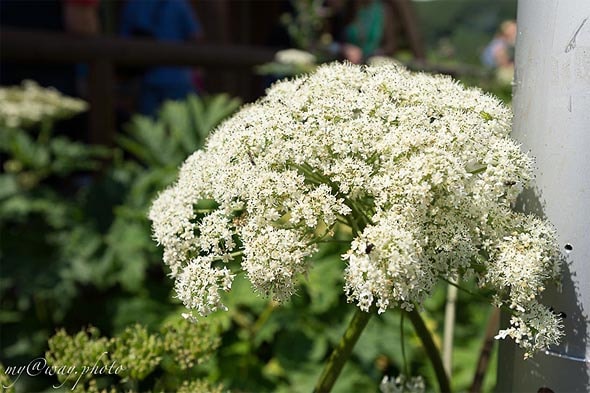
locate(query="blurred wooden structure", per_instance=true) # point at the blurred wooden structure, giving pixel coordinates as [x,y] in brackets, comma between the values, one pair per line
[407,26]
[238,35]
[104,54]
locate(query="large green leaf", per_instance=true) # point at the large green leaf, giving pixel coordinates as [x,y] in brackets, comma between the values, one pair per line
[180,128]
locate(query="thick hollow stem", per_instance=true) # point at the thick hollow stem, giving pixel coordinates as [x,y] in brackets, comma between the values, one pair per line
[431,350]
[342,352]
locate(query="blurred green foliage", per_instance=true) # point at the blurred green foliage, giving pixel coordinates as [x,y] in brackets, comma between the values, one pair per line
[76,244]
[124,362]
[6,382]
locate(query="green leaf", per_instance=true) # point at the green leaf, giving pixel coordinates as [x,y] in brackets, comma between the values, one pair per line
[25,150]
[8,185]
[69,156]
[325,283]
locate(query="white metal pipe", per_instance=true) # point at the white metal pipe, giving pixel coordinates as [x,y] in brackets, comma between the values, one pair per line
[552,120]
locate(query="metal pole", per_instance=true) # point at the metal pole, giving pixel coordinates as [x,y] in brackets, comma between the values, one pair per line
[552,120]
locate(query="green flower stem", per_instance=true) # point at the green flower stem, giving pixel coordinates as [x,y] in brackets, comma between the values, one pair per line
[355,229]
[264,316]
[431,350]
[358,213]
[46,131]
[309,173]
[342,352]
[316,176]
[403,343]
[478,296]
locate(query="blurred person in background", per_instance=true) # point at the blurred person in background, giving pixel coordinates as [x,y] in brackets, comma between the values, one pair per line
[81,17]
[165,20]
[366,28]
[499,53]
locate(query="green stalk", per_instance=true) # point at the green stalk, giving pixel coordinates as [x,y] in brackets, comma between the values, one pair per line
[270,307]
[342,352]
[403,342]
[478,296]
[46,131]
[353,225]
[309,173]
[431,350]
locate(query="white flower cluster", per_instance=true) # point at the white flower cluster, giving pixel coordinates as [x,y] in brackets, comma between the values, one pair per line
[29,104]
[295,57]
[401,384]
[420,168]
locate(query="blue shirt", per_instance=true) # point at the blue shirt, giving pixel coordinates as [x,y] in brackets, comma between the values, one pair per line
[165,20]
